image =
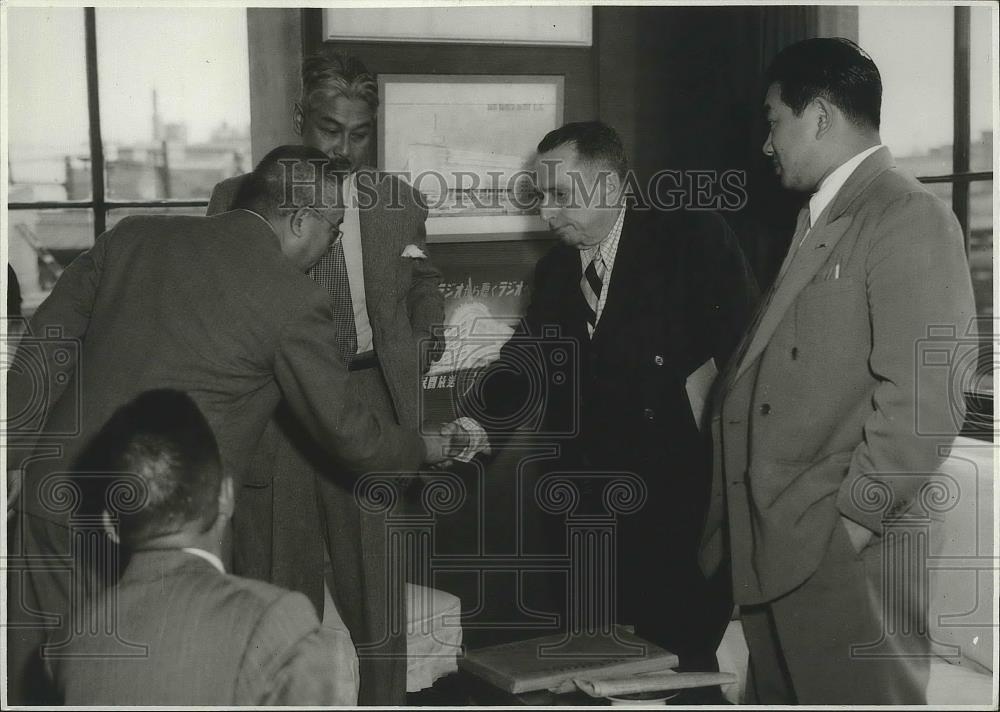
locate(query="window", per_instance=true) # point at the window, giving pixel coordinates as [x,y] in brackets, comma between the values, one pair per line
[937,117]
[116,111]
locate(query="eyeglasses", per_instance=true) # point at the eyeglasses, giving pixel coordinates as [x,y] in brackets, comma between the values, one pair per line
[334,228]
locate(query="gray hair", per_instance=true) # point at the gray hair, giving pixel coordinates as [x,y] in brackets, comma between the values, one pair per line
[328,72]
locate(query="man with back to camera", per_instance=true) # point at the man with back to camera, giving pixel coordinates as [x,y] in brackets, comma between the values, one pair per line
[184,631]
[219,306]
[819,410]
[386,302]
[648,298]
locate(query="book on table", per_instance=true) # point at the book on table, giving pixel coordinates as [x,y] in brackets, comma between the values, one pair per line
[551,662]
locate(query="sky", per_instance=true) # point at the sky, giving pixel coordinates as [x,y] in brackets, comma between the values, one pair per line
[197,60]
[913,49]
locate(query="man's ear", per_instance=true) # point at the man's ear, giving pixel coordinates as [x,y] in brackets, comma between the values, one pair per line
[297,221]
[825,116]
[297,118]
[110,526]
[227,497]
[614,183]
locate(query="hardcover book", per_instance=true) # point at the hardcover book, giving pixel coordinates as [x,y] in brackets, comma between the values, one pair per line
[552,662]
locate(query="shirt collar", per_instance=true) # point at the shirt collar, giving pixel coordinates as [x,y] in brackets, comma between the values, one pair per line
[832,184]
[258,215]
[609,245]
[207,556]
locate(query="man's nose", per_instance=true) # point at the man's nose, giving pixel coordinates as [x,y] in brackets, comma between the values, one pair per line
[767,147]
[546,212]
[340,148]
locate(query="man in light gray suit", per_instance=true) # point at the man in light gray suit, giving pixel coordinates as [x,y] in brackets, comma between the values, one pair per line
[385,298]
[828,412]
[177,629]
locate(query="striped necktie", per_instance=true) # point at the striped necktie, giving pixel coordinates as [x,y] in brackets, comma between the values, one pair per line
[591,284]
[331,273]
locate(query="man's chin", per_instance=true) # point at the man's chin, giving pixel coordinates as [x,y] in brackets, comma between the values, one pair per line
[568,237]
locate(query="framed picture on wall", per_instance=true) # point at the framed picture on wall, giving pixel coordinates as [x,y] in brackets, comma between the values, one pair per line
[567,26]
[466,143]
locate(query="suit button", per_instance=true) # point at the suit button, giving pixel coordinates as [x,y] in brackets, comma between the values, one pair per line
[649,414]
[658,360]
[765,408]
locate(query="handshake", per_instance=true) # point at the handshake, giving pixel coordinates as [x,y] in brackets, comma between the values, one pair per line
[461,439]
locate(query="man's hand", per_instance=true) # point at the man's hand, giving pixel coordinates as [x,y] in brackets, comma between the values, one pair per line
[431,351]
[445,445]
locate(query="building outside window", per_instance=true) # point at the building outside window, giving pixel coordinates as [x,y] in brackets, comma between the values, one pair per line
[151,103]
[937,118]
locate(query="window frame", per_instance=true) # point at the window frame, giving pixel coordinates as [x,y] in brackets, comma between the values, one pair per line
[98,204]
[981,403]
[979,419]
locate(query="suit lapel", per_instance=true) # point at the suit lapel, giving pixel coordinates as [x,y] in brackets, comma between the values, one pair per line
[823,237]
[376,243]
[569,294]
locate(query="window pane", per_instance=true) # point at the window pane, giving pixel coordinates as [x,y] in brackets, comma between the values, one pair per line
[982,57]
[114,216]
[42,243]
[914,50]
[175,100]
[48,135]
[981,262]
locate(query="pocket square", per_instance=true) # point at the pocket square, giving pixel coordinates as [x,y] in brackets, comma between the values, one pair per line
[414,252]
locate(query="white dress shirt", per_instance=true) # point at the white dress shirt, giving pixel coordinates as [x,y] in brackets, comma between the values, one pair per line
[207,556]
[351,229]
[832,184]
[608,249]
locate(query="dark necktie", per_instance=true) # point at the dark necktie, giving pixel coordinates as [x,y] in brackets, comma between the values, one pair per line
[591,284]
[331,273]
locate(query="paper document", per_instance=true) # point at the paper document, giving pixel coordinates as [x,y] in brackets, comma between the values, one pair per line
[698,385]
[657,681]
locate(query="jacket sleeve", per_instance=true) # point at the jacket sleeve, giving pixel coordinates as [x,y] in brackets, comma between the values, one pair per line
[918,282]
[726,292]
[313,380]
[513,392]
[291,659]
[55,333]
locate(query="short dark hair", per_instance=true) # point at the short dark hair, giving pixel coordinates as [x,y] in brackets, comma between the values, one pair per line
[336,73]
[161,438]
[834,68]
[594,141]
[287,179]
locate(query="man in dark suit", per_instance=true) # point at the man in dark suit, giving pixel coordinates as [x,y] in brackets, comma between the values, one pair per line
[177,629]
[648,299]
[831,420]
[218,306]
[384,290]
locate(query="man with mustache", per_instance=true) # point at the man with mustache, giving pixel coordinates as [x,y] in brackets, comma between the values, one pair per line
[385,304]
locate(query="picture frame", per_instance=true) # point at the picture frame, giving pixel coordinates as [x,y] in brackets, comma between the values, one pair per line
[559,26]
[466,141]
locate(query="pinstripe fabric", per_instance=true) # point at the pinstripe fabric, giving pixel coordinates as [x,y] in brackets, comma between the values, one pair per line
[331,273]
